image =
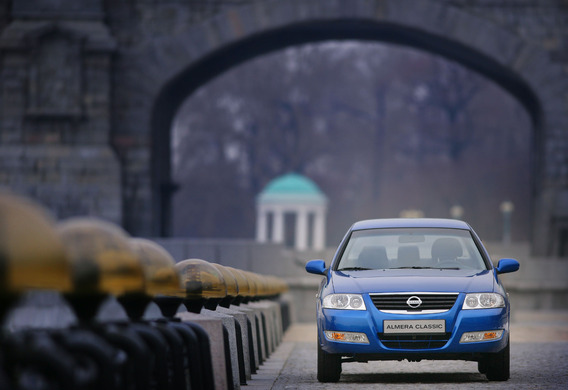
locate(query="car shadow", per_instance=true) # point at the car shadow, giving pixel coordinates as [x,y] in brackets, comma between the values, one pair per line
[408,378]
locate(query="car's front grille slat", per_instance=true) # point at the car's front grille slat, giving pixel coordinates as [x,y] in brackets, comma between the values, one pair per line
[428,301]
[414,341]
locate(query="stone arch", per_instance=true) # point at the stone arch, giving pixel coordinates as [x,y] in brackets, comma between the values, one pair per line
[180,65]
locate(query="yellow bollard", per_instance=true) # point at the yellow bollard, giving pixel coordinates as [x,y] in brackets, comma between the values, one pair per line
[244,291]
[160,274]
[202,284]
[160,278]
[230,282]
[103,263]
[31,253]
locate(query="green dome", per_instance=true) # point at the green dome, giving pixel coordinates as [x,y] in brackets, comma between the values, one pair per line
[292,183]
[291,187]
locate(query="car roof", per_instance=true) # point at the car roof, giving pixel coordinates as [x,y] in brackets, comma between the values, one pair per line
[410,223]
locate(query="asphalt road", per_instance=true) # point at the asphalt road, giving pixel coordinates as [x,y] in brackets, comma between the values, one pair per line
[539,360]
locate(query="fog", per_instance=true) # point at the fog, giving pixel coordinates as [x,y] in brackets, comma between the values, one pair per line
[381,129]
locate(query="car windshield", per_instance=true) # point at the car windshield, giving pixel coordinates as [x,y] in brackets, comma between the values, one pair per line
[411,248]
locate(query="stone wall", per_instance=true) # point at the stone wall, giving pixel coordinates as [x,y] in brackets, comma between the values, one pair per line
[88,89]
[55,110]
[71,180]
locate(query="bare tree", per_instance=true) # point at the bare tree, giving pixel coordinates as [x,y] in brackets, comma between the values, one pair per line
[367,122]
[449,94]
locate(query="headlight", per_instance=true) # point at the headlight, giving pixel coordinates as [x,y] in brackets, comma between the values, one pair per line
[483,301]
[344,301]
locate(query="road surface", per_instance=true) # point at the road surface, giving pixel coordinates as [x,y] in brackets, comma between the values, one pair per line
[539,360]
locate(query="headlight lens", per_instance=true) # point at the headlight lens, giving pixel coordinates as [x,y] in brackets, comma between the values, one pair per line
[483,301]
[473,337]
[344,301]
[346,337]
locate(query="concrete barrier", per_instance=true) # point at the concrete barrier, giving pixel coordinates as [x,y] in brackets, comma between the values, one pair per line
[244,349]
[229,324]
[214,328]
[253,340]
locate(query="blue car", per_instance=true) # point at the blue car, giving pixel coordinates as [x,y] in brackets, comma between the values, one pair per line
[412,289]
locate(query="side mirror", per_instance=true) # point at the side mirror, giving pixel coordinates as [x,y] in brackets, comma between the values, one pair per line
[507,265]
[316,267]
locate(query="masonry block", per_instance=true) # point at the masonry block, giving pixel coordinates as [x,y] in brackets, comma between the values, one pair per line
[242,320]
[214,328]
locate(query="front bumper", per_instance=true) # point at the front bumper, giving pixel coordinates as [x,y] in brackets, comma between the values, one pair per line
[370,322]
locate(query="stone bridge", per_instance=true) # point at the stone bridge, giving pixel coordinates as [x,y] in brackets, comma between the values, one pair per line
[89,89]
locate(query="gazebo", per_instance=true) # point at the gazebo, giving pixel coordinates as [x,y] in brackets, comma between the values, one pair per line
[292,206]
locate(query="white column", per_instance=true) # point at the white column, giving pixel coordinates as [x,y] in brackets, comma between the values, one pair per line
[319,229]
[278,225]
[301,229]
[261,224]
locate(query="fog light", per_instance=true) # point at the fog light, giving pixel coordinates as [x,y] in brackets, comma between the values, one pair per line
[472,337]
[346,337]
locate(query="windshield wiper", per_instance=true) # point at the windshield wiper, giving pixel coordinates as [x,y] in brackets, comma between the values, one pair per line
[354,269]
[408,267]
[419,267]
[414,267]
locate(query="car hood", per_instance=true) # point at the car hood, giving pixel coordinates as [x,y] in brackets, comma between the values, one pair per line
[378,281]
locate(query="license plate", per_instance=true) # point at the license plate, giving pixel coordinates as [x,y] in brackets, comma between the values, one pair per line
[414,326]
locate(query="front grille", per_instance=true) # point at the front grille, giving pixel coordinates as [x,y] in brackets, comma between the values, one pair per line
[430,301]
[414,341]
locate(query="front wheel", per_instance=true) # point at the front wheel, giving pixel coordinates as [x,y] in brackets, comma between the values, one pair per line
[497,366]
[329,366]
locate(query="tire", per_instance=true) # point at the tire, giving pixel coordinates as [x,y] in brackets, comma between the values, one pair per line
[498,365]
[329,366]
[482,366]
